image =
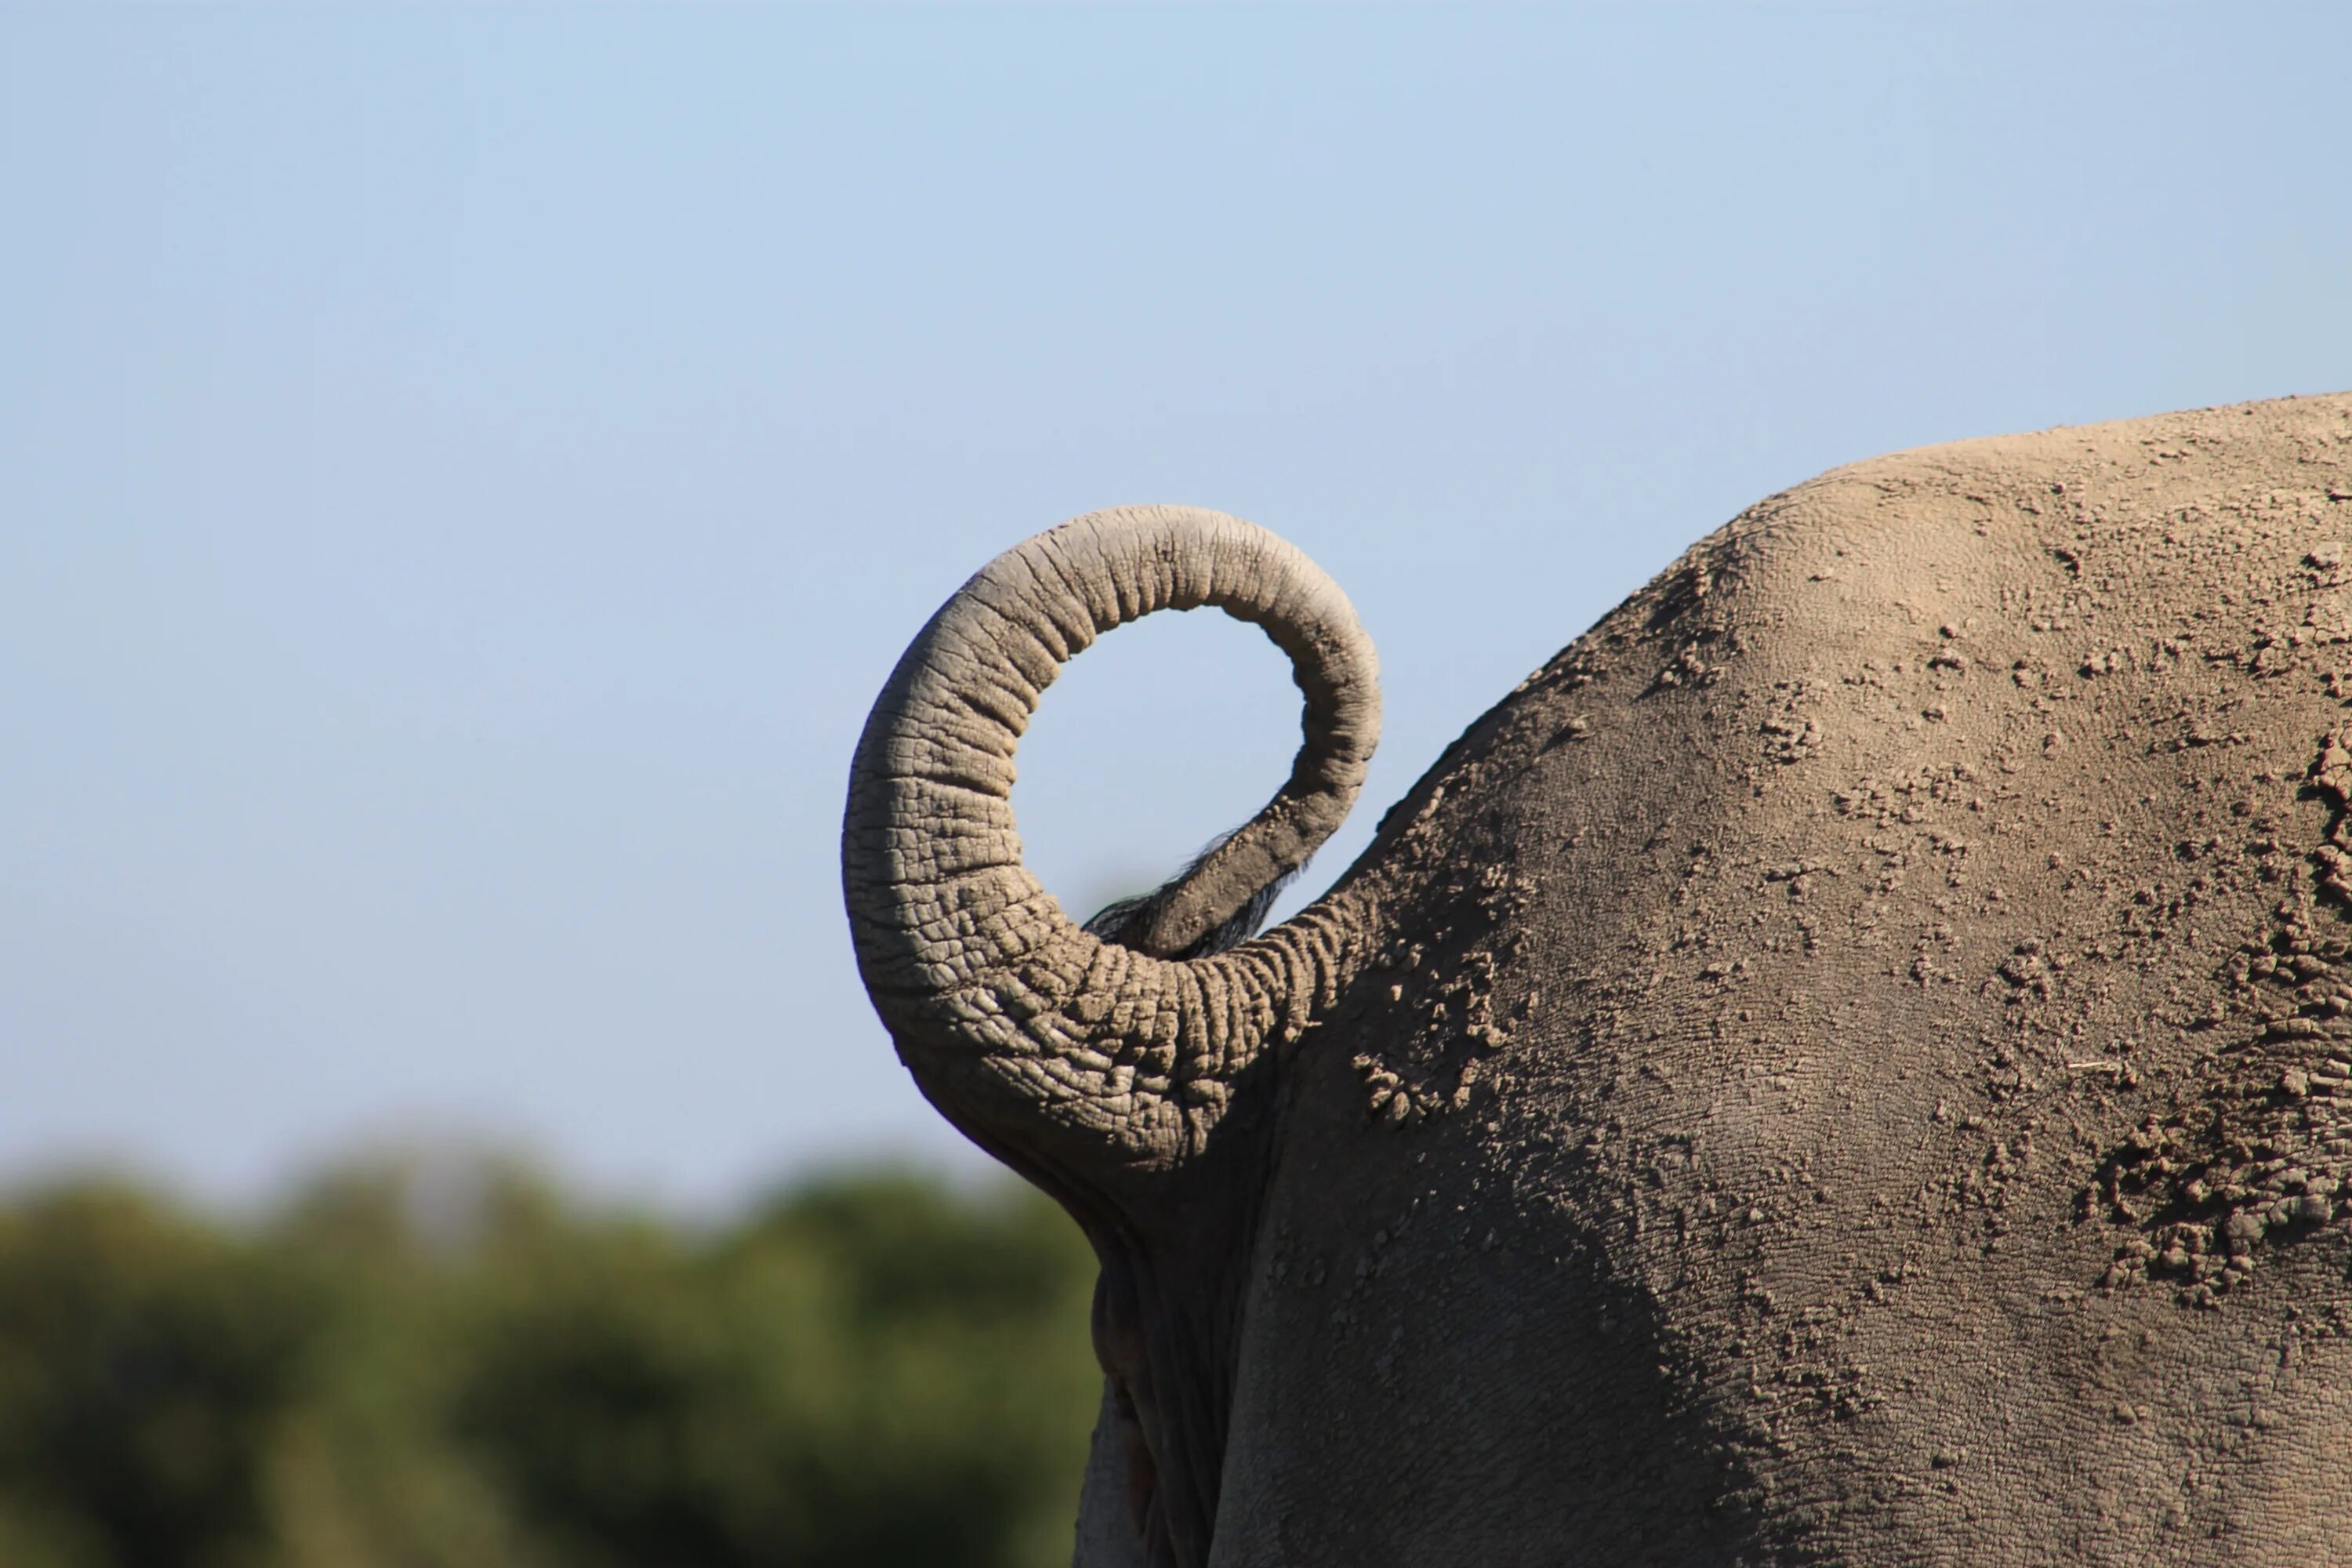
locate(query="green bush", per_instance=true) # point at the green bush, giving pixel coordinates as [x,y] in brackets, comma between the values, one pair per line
[436,1366]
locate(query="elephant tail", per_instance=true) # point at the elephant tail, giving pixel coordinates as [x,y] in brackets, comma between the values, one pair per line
[1075,1055]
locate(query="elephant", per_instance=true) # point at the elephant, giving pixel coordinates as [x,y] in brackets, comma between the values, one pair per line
[1851,1062]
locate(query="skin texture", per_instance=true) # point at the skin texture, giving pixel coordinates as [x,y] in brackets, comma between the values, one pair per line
[1851,1062]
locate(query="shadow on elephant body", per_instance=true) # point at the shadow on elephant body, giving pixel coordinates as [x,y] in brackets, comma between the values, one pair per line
[1387,1413]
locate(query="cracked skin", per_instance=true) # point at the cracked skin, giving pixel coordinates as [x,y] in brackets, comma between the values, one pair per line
[1850,1063]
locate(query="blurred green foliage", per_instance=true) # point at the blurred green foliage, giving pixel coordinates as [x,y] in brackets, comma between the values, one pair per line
[445,1364]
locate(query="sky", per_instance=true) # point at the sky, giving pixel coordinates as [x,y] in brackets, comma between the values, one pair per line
[463,474]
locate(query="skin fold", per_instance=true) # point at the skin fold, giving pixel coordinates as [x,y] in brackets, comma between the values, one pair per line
[1850,1063]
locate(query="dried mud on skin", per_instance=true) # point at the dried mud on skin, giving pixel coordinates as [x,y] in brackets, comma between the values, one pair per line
[2262,1153]
[1455,1033]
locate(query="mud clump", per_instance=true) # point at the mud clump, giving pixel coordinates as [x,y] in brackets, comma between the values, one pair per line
[2265,1154]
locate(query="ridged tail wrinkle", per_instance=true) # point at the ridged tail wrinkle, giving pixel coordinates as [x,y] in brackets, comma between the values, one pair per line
[1035,1034]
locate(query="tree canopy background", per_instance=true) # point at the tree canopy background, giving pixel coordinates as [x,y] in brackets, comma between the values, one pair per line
[413,1364]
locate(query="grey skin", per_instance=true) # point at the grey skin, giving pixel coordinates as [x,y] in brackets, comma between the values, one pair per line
[1850,1063]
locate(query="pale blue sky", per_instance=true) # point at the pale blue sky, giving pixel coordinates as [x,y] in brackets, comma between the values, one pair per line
[462,476]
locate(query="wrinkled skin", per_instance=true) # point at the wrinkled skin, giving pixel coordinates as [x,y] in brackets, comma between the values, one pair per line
[1851,1063]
